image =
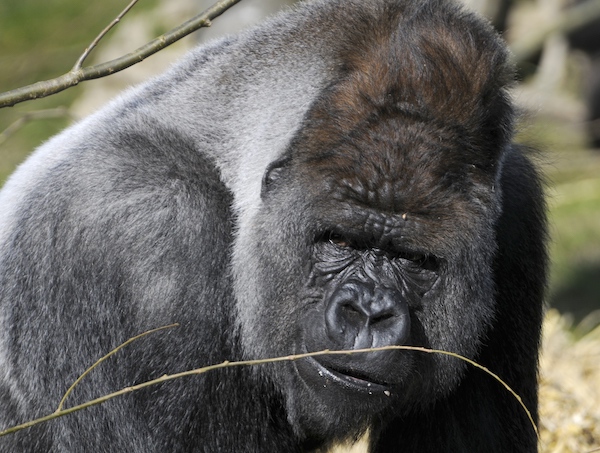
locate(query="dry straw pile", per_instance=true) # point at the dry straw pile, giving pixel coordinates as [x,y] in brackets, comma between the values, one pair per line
[569,388]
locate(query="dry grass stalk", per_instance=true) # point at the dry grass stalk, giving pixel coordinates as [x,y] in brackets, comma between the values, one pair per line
[569,388]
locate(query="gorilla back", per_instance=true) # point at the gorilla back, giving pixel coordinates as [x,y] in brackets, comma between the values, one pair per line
[341,177]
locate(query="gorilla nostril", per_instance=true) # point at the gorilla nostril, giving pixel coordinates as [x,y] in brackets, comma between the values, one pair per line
[380,318]
[351,312]
[359,316]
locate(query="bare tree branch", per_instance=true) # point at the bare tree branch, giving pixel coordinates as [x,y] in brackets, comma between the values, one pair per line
[103,33]
[78,74]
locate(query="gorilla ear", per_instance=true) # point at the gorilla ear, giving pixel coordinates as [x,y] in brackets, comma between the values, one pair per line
[272,175]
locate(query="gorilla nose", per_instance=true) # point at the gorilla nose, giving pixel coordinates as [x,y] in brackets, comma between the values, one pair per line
[360,315]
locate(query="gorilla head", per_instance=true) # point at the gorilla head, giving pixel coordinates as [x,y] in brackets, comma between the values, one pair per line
[340,178]
[377,226]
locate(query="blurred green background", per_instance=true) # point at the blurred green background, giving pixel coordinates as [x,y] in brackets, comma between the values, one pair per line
[41,39]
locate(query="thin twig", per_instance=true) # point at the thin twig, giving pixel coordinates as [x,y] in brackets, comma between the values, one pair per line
[74,77]
[103,358]
[57,112]
[103,33]
[225,364]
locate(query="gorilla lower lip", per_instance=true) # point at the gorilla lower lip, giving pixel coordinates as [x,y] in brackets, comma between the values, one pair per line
[347,380]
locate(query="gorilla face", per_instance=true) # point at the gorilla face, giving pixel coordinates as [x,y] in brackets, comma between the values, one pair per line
[377,227]
[392,249]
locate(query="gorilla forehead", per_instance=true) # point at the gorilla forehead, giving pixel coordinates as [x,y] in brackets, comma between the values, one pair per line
[414,123]
[389,162]
[393,175]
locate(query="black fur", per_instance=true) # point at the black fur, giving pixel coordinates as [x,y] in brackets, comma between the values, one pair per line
[340,177]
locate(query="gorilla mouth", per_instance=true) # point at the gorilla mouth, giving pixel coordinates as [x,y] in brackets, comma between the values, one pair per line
[350,380]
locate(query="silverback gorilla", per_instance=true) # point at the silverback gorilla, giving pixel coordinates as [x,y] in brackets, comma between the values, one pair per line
[341,177]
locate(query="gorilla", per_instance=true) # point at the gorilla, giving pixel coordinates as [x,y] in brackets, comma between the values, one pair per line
[341,177]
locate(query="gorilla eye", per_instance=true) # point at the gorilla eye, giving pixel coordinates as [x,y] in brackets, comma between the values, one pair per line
[338,240]
[420,260]
[414,257]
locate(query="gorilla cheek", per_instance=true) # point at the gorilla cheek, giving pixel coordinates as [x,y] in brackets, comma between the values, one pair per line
[267,271]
